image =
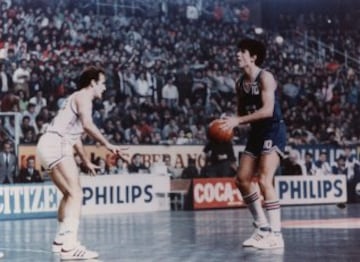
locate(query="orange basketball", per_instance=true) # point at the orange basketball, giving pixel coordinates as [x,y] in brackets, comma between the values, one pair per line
[218,134]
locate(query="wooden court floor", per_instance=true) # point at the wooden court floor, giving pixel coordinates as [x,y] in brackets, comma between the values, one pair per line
[312,233]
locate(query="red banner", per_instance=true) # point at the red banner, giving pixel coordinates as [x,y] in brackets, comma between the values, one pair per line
[216,193]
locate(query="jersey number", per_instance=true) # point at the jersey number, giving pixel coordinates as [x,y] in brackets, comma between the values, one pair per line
[267,144]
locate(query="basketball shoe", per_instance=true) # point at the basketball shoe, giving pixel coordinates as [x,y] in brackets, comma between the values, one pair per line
[259,234]
[271,241]
[79,252]
[56,246]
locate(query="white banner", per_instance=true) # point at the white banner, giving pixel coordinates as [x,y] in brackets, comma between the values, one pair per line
[28,201]
[125,193]
[297,190]
[102,195]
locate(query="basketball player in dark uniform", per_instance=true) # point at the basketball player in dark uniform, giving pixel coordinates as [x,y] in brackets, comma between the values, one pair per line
[259,107]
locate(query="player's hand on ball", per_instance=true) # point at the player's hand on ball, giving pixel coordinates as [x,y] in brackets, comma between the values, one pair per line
[216,133]
[229,122]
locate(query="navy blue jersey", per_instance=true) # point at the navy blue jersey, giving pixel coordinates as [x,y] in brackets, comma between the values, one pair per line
[266,134]
[249,101]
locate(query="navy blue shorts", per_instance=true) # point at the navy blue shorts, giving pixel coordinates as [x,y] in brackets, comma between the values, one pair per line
[266,139]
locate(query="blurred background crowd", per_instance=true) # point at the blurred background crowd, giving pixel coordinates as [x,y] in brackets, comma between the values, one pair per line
[171,68]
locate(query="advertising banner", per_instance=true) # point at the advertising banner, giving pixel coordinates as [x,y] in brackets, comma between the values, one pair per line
[178,154]
[216,193]
[28,201]
[292,190]
[123,194]
[299,190]
[102,195]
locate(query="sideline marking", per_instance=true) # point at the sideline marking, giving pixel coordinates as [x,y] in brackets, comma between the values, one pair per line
[26,250]
[340,223]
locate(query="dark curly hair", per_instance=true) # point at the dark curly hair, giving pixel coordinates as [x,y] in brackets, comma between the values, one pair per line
[89,73]
[254,47]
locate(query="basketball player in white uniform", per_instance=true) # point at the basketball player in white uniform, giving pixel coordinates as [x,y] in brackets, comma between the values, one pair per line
[55,150]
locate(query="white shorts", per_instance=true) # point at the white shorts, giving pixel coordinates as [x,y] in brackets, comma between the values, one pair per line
[52,149]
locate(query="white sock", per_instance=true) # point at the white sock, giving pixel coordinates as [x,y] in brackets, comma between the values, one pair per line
[70,234]
[273,209]
[61,227]
[59,238]
[254,204]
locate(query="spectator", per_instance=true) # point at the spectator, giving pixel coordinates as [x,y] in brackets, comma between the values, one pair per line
[6,83]
[170,93]
[23,102]
[170,129]
[120,167]
[191,170]
[129,83]
[309,164]
[352,165]
[109,105]
[103,167]
[117,138]
[25,126]
[339,168]
[29,137]
[39,101]
[8,102]
[322,165]
[182,138]
[35,84]
[171,170]
[184,80]
[8,164]
[11,126]
[49,84]
[142,87]
[291,166]
[31,114]
[30,174]
[220,160]
[351,162]
[21,78]
[137,165]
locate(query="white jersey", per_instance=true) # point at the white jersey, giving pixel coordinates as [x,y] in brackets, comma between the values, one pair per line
[67,123]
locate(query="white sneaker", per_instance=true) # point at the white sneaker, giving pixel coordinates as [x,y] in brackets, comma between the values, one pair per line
[258,235]
[78,253]
[56,246]
[271,241]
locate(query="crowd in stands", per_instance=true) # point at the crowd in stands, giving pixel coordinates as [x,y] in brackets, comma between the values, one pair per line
[168,76]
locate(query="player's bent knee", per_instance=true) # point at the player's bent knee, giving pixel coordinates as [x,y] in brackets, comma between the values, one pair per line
[74,193]
[265,183]
[242,183]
